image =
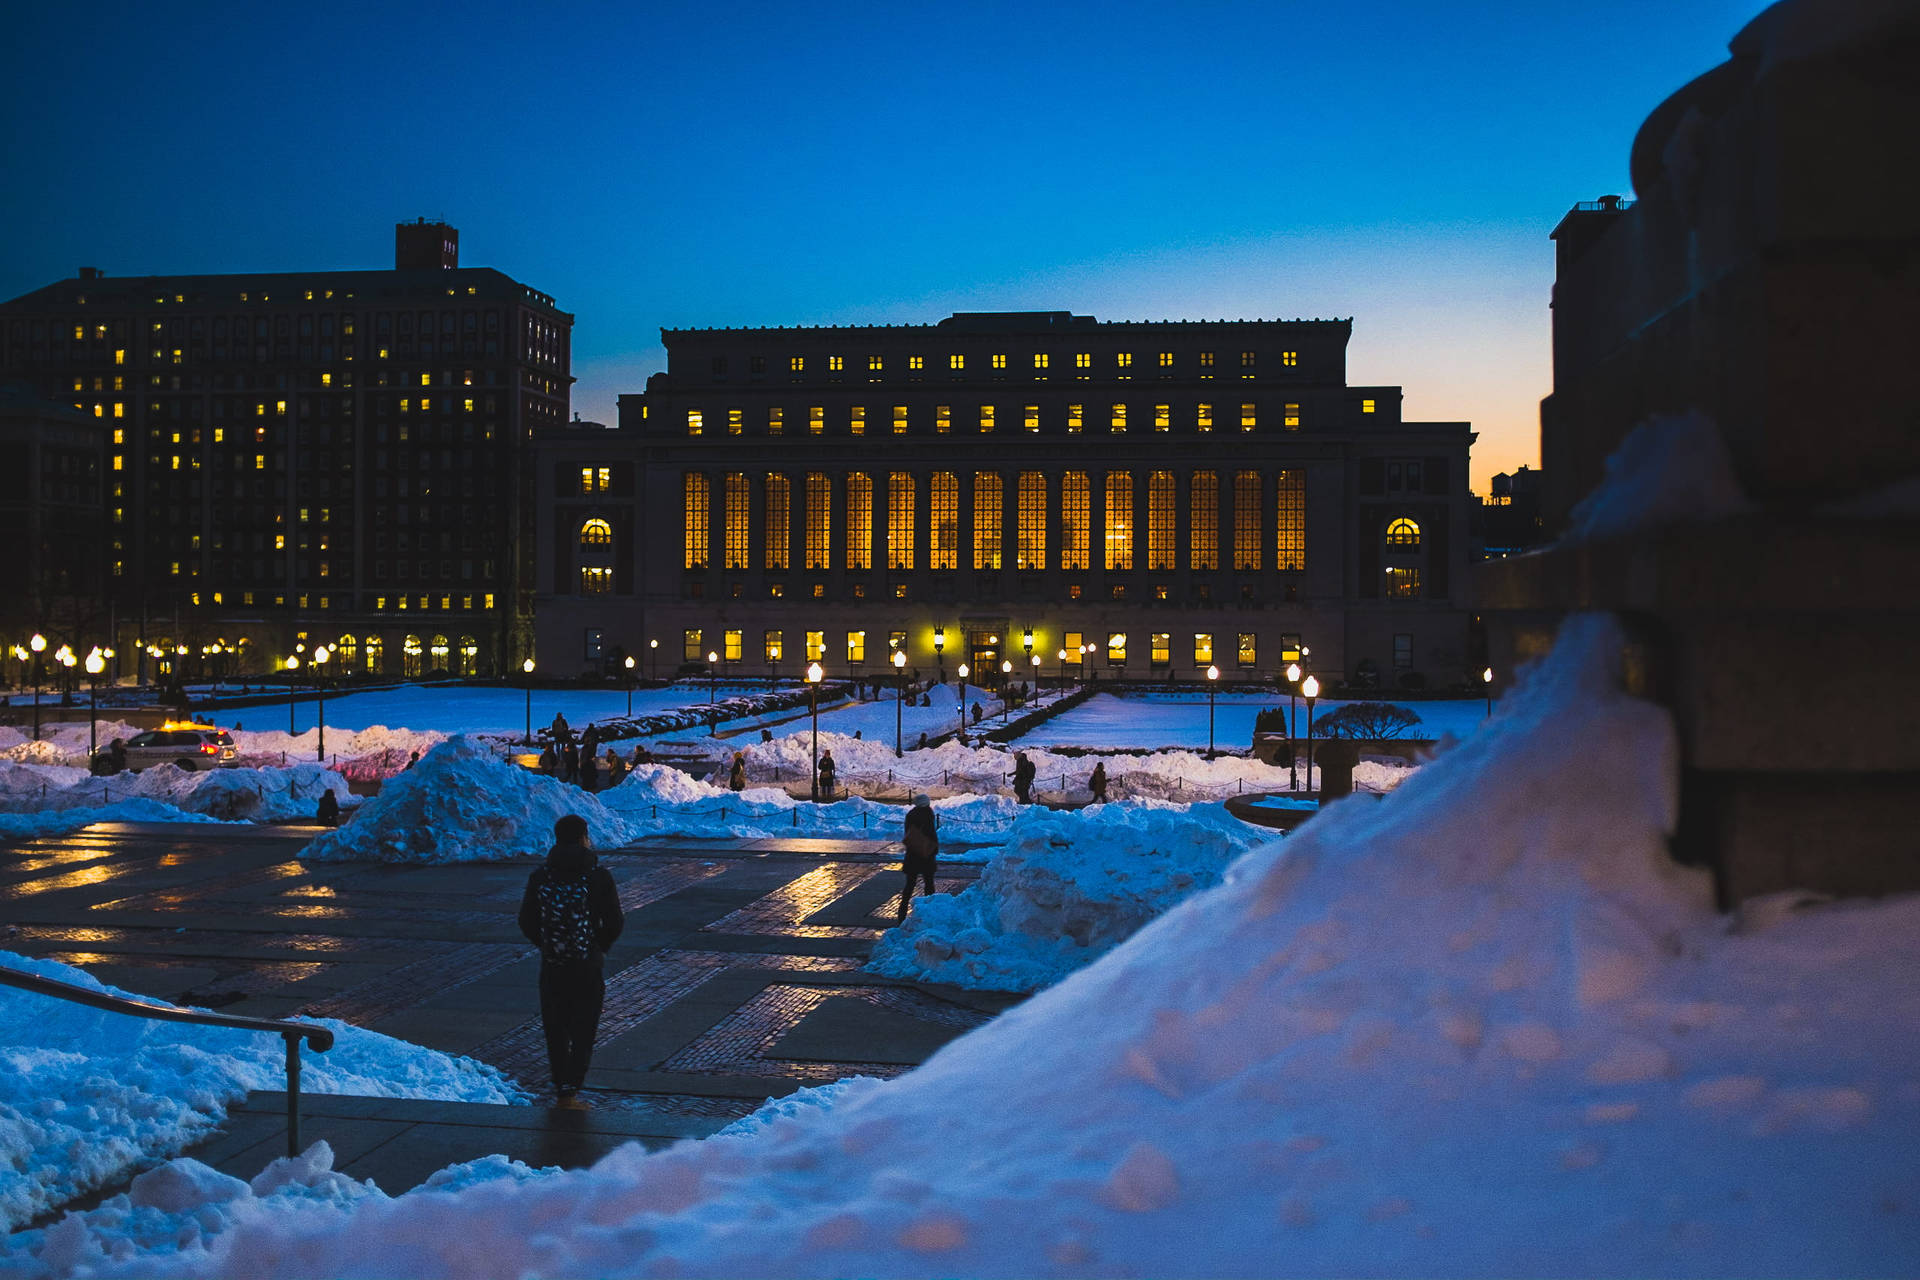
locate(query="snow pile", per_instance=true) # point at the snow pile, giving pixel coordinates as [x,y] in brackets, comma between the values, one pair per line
[252,795]
[360,754]
[86,1095]
[61,742]
[1064,891]
[60,822]
[462,804]
[1668,471]
[1482,1025]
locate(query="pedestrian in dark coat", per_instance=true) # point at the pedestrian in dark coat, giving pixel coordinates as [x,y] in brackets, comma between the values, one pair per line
[561,730]
[589,770]
[922,841]
[329,810]
[1097,784]
[826,774]
[570,761]
[1023,772]
[737,778]
[571,911]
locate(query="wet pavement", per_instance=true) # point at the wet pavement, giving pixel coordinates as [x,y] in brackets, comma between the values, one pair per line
[738,977]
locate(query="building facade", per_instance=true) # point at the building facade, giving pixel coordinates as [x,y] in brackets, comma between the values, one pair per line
[52,460]
[311,457]
[997,488]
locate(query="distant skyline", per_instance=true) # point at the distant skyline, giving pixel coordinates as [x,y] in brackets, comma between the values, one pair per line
[1398,163]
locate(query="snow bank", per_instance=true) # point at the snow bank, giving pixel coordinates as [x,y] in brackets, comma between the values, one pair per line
[1065,890]
[59,822]
[86,1095]
[61,742]
[252,795]
[359,754]
[462,804]
[1483,1025]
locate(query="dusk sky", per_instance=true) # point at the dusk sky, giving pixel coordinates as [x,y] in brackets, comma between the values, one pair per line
[1398,163]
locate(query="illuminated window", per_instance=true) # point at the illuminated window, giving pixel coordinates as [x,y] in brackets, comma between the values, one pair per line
[999,362]
[1040,359]
[1246,360]
[1403,533]
[1291,418]
[1203,648]
[586,479]
[1119,540]
[695,419]
[595,580]
[736,421]
[1290,520]
[859,520]
[596,533]
[772,643]
[1076,419]
[695,509]
[1246,653]
[817,420]
[956,362]
[899,419]
[916,363]
[942,419]
[1160,648]
[1117,649]
[1249,417]
[1246,519]
[1160,520]
[1031,550]
[857,420]
[1166,359]
[1117,418]
[1203,418]
[779,530]
[1403,584]
[1163,417]
[986,520]
[943,530]
[816,645]
[692,648]
[986,419]
[1203,515]
[736,515]
[1366,406]
[899,520]
[732,646]
[798,364]
[1124,360]
[819,536]
[856,646]
[1030,417]
[875,364]
[1291,359]
[836,364]
[1076,520]
[776,421]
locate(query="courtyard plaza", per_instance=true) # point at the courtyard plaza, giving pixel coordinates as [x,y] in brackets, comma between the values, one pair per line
[738,978]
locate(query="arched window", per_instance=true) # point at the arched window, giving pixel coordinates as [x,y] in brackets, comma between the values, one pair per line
[347,651]
[596,533]
[1403,533]
[439,650]
[376,654]
[410,649]
[466,657]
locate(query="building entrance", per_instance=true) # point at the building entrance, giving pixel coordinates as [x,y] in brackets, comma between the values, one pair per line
[984,648]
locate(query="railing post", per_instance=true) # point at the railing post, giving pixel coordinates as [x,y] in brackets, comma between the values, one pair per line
[293,1091]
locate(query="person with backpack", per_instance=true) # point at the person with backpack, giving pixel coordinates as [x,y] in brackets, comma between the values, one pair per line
[922,841]
[571,911]
[826,775]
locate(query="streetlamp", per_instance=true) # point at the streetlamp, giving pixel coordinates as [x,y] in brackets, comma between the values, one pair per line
[39,646]
[962,673]
[527,669]
[1293,727]
[1035,660]
[66,678]
[713,683]
[1006,694]
[320,656]
[1213,683]
[293,665]
[1310,689]
[939,647]
[629,686]
[653,659]
[1486,678]
[899,661]
[1063,669]
[813,704]
[95,665]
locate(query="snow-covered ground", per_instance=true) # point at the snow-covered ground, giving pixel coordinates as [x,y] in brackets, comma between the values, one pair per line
[1484,1024]
[451,709]
[1151,720]
[90,1095]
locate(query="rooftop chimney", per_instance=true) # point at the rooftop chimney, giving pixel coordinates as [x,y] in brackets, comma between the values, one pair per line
[421,245]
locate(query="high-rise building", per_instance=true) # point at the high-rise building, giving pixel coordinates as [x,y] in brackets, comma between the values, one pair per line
[311,457]
[1002,487]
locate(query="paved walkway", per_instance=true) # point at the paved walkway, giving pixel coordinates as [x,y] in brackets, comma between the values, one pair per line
[738,977]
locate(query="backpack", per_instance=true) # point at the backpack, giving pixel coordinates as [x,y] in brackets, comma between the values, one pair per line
[566,918]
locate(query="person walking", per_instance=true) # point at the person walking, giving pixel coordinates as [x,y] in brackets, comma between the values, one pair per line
[826,775]
[1023,772]
[589,770]
[1097,784]
[328,812]
[922,841]
[615,770]
[569,761]
[548,761]
[571,911]
[561,730]
[737,779]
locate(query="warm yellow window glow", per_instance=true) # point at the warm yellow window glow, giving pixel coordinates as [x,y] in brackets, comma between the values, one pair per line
[1160,648]
[819,540]
[1117,648]
[1290,520]
[1031,548]
[776,421]
[986,520]
[1291,359]
[816,645]
[1163,417]
[1124,360]
[1119,532]
[1076,419]
[596,533]
[696,420]
[836,364]
[1075,520]
[595,580]
[816,420]
[1403,533]
[1166,359]
[691,647]
[1249,417]
[694,513]
[779,530]
[798,364]
[916,362]
[999,362]
[899,419]
[857,420]
[1203,516]
[899,520]
[856,646]
[119,462]
[956,362]
[943,527]
[1117,419]
[1030,417]
[942,419]
[1246,520]
[736,516]
[875,364]
[1366,406]
[326,379]
[1040,359]
[1160,520]
[736,421]
[986,419]
[1245,652]
[1291,418]
[733,645]
[1203,648]
[119,409]
[859,520]
[1403,584]
[772,644]
[1203,418]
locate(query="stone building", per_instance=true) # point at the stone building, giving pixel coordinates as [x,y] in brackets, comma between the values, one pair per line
[999,487]
[52,458]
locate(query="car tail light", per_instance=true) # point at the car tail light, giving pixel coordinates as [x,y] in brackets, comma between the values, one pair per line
[208,749]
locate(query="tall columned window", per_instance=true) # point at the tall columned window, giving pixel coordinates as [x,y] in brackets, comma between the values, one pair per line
[779,521]
[986,520]
[695,505]
[1076,520]
[1246,519]
[1203,516]
[899,520]
[1290,521]
[1032,548]
[738,514]
[819,546]
[1160,520]
[1119,520]
[859,520]
[943,528]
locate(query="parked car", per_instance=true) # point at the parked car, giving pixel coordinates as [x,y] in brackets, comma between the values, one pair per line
[191,746]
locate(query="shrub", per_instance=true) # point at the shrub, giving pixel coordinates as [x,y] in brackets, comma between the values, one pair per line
[1368,721]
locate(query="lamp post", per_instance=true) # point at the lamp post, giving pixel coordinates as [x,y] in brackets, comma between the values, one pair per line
[1310,689]
[1293,726]
[1006,694]
[939,653]
[320,656]
[813,704]
[39,646]
[1486,678]
[1035,660]
[629,665]
[962,673]
[1063,669]
[899,661]
[293,666]
[713,684]
[95,665]
[526,669]
[1213,683]
[653,659]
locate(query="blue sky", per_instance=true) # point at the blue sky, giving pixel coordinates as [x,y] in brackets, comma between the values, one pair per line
[1399,163]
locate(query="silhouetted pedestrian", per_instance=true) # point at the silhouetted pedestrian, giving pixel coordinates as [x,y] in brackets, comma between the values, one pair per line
[548,760]
[571,911]
[826,774]
[1097,784]
[978,712]
[1023,772]
[328,813]
[589,770]
[737,778]
[922,845]
[570,761]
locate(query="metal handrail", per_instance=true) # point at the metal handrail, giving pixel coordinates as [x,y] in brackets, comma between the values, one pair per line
[320,1038]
